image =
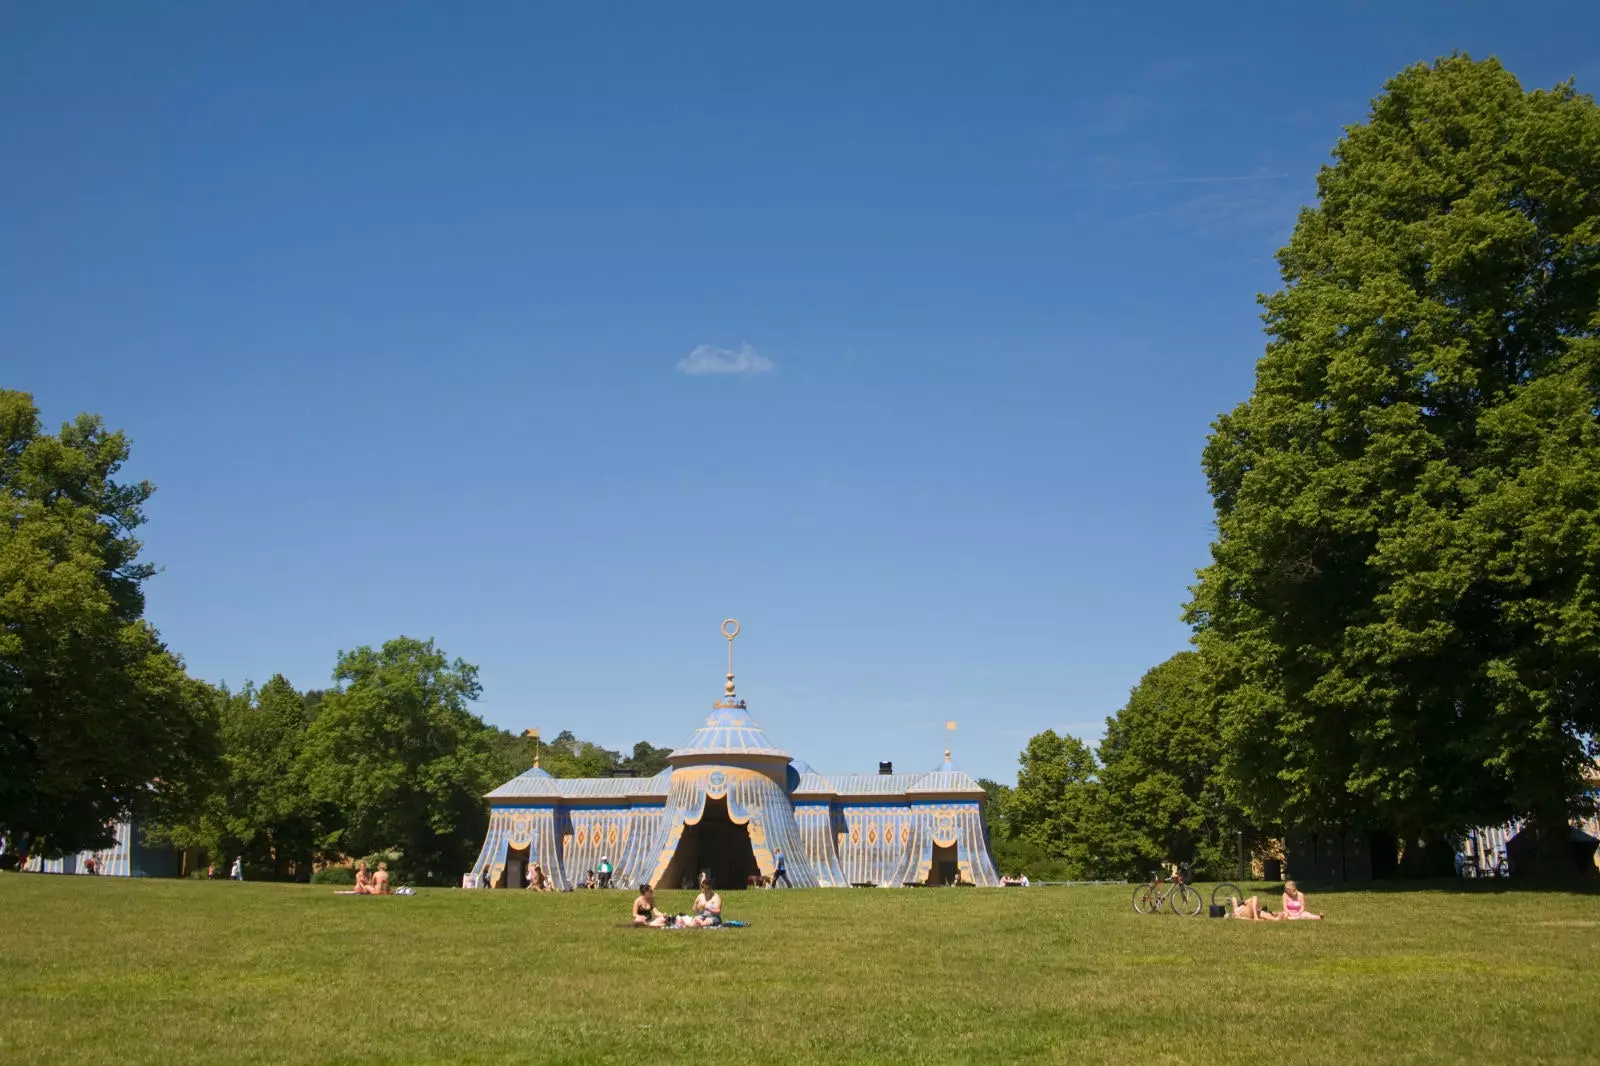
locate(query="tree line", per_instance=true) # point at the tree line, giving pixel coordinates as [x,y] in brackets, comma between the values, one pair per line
[100,721]
[1399,628]
[1398,631]
[391,761]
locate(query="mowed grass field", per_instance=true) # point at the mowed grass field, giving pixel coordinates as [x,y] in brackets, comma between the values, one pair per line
[100,970]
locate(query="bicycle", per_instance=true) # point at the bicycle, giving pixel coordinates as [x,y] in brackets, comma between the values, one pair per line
[1475,866]
[1172,891]
[1227,896]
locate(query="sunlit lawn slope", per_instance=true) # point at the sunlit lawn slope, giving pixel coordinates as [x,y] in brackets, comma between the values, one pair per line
[100,970]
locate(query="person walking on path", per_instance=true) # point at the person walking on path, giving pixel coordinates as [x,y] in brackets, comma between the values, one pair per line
[778,871]
[237,873]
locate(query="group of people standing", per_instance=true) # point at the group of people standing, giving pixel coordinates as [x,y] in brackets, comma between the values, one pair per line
[235,872]
[707,909]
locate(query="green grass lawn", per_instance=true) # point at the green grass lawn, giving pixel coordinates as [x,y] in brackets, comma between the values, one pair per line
[104,970]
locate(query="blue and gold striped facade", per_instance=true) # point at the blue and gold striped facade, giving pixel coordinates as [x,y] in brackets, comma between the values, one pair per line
[125,858]
[854,829]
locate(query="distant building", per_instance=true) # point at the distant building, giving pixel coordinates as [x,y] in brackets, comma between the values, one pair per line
[127,857]
[727,803]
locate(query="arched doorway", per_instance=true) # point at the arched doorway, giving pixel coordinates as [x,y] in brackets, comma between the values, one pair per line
[715,844]
[516,873]
[945,867]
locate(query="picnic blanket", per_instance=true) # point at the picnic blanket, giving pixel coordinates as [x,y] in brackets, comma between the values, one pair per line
[696,928]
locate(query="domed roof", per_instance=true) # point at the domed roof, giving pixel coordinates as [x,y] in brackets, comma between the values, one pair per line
[530,784]
[729,731]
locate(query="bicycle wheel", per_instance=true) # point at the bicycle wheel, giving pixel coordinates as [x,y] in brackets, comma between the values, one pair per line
[1187,901]
[1221,894]
[1147,898]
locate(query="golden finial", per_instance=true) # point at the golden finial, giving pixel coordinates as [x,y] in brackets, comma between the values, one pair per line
[730,629]
[730,634]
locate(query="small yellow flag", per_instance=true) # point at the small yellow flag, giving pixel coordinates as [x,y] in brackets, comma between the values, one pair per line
[531,733]
[949,725]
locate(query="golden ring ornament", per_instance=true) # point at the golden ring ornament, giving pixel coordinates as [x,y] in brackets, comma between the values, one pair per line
[730,633]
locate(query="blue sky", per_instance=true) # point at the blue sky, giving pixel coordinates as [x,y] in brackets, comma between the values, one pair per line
[399,304]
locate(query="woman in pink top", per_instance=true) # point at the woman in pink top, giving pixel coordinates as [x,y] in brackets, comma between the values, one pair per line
[1294,904]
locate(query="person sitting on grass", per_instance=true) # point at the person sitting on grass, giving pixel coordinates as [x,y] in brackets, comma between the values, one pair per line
[590,880]
[363,880]
[644,909]
[1294,904]
[539,881]
[1251,910]
[380,880]
[707,905]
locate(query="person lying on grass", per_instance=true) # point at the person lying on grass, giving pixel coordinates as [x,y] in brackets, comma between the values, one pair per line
[1251,910]
[1294,904]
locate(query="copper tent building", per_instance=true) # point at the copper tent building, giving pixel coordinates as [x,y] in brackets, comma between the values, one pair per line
[729,800]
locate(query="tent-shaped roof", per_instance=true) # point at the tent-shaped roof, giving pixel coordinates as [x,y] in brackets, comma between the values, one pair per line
[814,784]
[729,731]
[872,784]
[530,784]
[600,788]
[538,784]
[948,779]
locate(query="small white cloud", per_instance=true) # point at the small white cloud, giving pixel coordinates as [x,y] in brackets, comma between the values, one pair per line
[709,359]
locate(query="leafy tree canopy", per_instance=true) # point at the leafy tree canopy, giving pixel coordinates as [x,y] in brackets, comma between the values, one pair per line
[398,754]
[260,808]
[1401,618]
[1160,769]
[567,756]
[98,720]
[1058,804]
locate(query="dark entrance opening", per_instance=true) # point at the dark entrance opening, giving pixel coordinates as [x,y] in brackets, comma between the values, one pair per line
[716,846]
[944,869]
[516,872]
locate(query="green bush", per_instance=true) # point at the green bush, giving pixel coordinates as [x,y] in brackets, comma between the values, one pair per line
[334,875]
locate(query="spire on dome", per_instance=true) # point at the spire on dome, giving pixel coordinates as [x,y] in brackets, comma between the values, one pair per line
[729,730]
[728,697]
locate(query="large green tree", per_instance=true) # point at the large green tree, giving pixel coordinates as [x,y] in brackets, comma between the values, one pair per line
[1058,804]
[260,808]
[396,752]
[1402,613]
[1160,769]
[98,720]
